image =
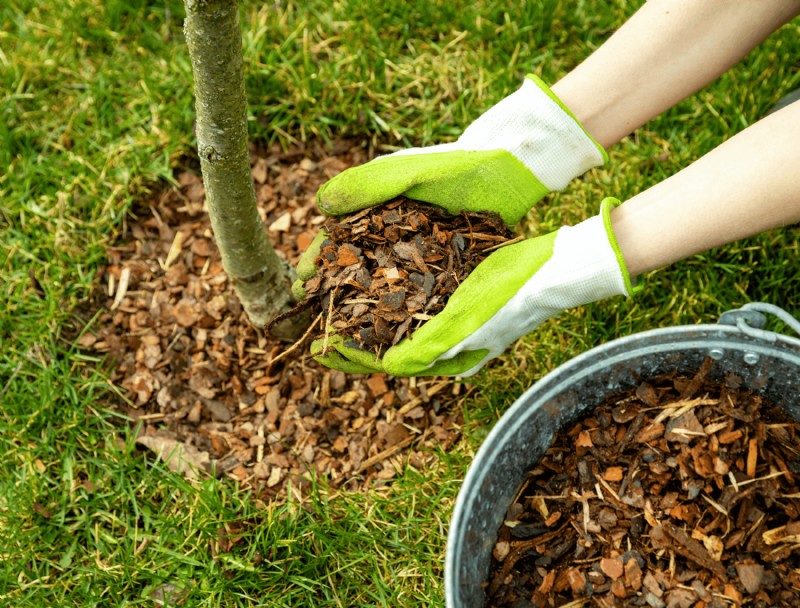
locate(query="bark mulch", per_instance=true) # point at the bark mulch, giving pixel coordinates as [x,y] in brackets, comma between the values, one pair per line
[681,493]
[200,383]
[383,272]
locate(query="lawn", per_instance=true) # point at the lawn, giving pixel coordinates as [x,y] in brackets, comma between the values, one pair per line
[96,113]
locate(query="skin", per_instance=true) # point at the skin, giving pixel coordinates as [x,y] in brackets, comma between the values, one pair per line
[667,51]
[743,187]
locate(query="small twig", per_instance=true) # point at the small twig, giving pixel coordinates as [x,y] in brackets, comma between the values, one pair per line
[307,303]
[584,500]
[155,416]
[328,321]
[175,249]
[298,342]
[678,408]
[417,400]
[518,551]
[732,477]
[516,239]
[614,500]
[483,236]
[388,452]
[770,476]
[715,504]
[122,288]
[471,238]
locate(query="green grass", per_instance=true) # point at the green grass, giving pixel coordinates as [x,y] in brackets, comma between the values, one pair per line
[95,112]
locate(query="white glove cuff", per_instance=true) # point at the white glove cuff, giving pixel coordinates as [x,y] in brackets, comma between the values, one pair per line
[584,268]
[539,132]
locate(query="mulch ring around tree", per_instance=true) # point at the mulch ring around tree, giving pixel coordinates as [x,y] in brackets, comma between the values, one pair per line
[681,493]
[209,393]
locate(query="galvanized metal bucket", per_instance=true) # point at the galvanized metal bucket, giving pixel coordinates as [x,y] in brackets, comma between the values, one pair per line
[765,361]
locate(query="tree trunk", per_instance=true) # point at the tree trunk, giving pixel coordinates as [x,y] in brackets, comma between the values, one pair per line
[261,279]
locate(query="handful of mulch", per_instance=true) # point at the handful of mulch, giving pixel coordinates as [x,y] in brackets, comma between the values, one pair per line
[681,493]
[384,271]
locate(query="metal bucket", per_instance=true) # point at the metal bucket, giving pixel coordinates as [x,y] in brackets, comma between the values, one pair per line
[765,361]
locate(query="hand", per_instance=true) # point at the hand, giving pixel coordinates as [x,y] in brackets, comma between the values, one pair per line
[507,160]
[508,295]
[525,146]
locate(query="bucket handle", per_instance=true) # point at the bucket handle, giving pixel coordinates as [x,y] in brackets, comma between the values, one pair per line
[750,320]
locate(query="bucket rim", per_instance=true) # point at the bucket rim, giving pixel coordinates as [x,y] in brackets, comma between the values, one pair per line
[710,335]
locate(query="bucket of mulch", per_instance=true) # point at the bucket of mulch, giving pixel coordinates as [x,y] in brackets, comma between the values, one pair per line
[661,469]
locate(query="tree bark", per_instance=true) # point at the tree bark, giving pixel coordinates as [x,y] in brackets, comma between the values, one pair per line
[261,279]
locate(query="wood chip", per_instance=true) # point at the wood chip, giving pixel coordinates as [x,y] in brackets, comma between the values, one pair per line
[282,224]
[612,567]
[750,575]
[671,500]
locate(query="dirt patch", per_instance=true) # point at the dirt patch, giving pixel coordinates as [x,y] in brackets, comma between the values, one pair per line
[681,493]
[198,378]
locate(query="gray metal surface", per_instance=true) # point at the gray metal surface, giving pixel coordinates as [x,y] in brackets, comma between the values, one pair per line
[764,361]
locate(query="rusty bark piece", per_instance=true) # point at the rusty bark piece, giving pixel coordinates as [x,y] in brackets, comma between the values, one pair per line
[394,266]
[518,551]
[691,549]
[697,380]
[676,493]
[751,576]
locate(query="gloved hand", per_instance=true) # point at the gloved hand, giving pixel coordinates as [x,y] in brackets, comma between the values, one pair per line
[509,294]
[525,146]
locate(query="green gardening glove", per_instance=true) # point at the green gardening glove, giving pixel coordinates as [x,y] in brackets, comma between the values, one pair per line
[509,294]
[525,146]
[306,266]
[508,159]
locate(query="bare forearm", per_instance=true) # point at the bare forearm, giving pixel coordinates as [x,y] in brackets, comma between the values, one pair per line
[745,186]
[668,50]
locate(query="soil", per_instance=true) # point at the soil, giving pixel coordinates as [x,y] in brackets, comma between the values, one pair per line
[234,401]
[681,493]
